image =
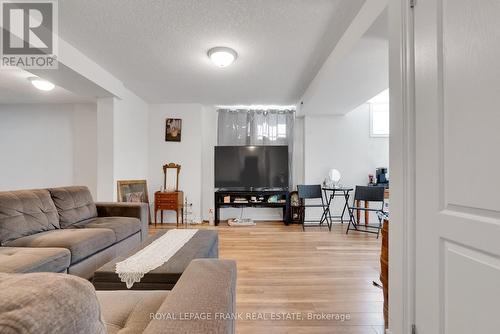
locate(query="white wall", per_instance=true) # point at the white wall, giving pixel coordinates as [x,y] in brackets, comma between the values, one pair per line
[85,146]
[122,136]
[298,152]
[344,143]
[105,148]
[47,145]
[187,153]
[209,140]
[130,139]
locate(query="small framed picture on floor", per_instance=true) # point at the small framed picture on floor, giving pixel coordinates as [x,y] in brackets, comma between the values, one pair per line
[133,191]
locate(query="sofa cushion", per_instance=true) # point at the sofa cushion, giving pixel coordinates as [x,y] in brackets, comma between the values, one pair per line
[25,259]
[129,311]
[48,303]
[74,204]
[123,227]
[207,285]
[26,212]
[82,243]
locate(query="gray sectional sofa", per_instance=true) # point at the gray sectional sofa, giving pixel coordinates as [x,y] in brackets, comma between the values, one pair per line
[203,301]
[63,230]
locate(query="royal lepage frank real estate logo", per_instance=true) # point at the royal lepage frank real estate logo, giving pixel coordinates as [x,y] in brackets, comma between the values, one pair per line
[29,34]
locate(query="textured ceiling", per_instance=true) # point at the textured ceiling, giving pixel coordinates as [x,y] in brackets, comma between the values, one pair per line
[158,47]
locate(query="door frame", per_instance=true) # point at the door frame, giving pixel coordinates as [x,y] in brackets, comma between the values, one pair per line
[402,168]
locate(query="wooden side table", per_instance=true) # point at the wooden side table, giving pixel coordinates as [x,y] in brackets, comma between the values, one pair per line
[169,201]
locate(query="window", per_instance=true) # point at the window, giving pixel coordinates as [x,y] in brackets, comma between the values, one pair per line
[255,127]
[379,115]
[282,130]
[379,120]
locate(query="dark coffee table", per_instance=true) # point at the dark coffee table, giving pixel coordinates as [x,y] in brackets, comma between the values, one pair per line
[204,244]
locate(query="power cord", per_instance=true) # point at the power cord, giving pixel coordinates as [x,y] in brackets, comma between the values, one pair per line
[241,214]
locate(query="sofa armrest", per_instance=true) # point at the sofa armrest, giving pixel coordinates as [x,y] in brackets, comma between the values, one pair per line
[120,209]
[207,287]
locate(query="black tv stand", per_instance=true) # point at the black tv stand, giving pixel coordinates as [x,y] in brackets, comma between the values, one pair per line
[262,195]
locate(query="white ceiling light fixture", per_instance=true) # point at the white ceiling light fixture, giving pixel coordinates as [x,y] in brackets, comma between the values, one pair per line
[41,84]
[222,56]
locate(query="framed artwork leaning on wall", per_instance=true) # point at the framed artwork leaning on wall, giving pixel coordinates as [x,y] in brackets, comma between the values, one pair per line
[133,191]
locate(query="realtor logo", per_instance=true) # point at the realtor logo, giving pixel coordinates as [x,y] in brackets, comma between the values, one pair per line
[29,34]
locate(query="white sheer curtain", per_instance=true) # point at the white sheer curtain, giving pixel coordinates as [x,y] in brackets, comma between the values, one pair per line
[239,127]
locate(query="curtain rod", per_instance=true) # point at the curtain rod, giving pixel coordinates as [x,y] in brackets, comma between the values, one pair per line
[257,107]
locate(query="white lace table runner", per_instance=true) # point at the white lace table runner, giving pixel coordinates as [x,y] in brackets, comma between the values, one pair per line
[132,269]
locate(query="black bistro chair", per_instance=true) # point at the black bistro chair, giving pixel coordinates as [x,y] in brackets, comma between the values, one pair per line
[306,194]
[372,194]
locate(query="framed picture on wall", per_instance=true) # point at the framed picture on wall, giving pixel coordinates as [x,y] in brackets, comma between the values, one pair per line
[173,129]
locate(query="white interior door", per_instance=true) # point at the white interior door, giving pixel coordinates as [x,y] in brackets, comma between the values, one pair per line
[457,108]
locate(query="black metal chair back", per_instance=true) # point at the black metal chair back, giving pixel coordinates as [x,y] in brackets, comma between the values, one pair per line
[367,194]
[370,194]
[309,191]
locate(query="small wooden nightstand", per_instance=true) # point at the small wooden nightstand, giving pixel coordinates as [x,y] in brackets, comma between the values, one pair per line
[169,201]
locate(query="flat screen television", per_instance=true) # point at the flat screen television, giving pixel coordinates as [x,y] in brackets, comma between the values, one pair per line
[251,167]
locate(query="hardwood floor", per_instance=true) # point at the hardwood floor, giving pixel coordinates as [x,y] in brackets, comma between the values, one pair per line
[283,270]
